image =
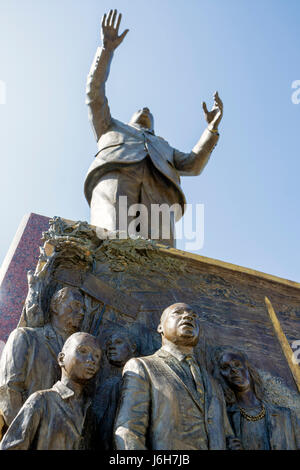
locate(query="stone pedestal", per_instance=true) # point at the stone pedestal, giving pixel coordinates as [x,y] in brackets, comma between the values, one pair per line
[22,256]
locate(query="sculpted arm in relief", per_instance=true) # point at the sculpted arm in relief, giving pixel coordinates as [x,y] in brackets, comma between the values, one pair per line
[99,113]
[190,164]
[24,427]
[133,417]
[13,367]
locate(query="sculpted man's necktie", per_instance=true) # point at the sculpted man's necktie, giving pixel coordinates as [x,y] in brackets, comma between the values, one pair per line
[194,368]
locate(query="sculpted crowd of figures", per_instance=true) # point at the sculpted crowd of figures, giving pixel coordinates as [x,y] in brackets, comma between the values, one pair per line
[50,397]
[54,393]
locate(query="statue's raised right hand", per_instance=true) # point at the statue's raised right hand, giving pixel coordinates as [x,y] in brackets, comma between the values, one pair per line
[110,32]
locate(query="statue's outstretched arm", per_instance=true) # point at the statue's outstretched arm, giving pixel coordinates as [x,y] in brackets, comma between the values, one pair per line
[194,162]
[99,113]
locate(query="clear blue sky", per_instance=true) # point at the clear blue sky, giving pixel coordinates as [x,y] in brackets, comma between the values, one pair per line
[176,54]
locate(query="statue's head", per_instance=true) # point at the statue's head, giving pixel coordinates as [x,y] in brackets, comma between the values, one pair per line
[235,373]
[120,347]
[180,325]
[67,309]
[143,118]
[80,357]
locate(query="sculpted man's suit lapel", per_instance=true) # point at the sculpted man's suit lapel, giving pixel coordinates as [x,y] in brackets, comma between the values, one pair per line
[180,375]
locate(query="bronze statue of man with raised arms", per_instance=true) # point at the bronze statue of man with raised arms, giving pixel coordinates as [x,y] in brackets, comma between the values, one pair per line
[134,162]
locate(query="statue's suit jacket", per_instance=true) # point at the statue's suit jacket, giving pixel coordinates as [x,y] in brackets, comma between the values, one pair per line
[120,143]
[159,411]
[282,426]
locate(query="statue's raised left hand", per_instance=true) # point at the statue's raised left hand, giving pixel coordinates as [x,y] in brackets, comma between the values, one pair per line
[110,31]
[214,116]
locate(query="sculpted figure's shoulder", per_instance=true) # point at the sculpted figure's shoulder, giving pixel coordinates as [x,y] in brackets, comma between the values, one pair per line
[287,418]
[36,400]
[162,139]
[133,365]
[120,126]
[139,364]
[22,334]
[23,339]
[275,410]
[117,133]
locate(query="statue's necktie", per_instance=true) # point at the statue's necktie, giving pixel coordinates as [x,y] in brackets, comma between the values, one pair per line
[194,368]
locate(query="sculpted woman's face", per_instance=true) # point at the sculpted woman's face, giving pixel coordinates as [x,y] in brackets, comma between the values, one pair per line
[235,372]
[118,350]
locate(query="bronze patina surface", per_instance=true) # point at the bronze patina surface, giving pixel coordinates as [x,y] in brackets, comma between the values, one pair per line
[197,351]
[231,299]
[29,359]
[134,162]
[126,284]
[168,400]
[60,418]
[259,424]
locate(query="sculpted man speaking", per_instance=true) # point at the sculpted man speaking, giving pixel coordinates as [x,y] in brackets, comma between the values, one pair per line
[132,161]
[168,400]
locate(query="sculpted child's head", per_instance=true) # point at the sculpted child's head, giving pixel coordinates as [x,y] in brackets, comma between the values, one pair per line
[80,357]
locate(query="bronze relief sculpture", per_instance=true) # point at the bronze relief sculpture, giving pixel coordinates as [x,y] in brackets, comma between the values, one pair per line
[29,359]
[168,400]
[259,424]
[59,418]
[131,160]
[120,347]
